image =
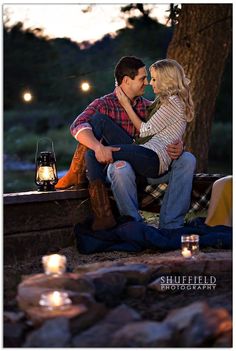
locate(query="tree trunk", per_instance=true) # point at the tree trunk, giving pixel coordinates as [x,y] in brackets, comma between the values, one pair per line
[201,44]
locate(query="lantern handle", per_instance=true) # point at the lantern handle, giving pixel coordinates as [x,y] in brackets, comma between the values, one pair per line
[37,147]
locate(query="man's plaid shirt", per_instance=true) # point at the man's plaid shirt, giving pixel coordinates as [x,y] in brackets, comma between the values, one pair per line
[109,105]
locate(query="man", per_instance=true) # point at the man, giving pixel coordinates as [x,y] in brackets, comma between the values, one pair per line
[131,76]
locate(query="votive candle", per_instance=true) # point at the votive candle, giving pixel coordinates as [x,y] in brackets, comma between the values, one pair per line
[54,264]
[54,300]
[190,245]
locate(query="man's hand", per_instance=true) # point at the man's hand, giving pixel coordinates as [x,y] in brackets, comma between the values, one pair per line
[104,153]
[175,150]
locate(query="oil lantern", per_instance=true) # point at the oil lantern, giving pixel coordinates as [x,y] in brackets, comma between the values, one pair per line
[45,165]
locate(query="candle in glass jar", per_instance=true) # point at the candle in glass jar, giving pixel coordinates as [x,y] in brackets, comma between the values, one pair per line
[190,245]
[53,300]
[54,264]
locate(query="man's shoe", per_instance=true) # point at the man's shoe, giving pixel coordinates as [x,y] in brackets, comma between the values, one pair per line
[76,176]
[100,202]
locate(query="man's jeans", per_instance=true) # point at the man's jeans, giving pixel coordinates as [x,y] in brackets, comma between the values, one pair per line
[145,162]
[177,197]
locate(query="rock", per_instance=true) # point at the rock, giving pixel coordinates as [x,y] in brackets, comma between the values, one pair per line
[136,291]
[13,334]
[13,317]
[198,324]
[156,285]
[143,334]
[218,266]
[121,315]
[92,267]
[225,340]
[109,287]
[81,298]
[134,273]
[181,318]
[205,328]
[162,269]
[53,333]
[99,335]
[191,267]
[94,313]
[31,288]
[39,315]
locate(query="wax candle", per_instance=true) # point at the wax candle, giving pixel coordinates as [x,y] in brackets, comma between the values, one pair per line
[186,253]
[53,300]
[54,264]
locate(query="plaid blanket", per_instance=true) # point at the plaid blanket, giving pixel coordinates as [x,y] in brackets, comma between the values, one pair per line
[152,196]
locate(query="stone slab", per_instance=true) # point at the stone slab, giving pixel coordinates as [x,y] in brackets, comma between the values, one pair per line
[21,247]
[38,196]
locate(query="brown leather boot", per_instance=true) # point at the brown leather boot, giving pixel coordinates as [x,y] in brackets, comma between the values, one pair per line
[100,202]
[76,174]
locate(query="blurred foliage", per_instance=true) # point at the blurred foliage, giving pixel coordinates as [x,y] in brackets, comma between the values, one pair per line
[17,181]
[53,69]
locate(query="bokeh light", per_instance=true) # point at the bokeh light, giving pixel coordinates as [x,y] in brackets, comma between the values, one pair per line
[27,96]
[85,86]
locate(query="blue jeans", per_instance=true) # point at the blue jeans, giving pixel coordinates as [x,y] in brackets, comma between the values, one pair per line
[145,162]
[177,197]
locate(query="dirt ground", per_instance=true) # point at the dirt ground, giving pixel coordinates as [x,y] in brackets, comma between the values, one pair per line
[149,306]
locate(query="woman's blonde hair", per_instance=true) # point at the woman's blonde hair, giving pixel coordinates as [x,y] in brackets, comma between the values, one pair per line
[171,80]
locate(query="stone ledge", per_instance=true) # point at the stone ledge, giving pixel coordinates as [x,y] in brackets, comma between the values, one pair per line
[39,196]
[20,247]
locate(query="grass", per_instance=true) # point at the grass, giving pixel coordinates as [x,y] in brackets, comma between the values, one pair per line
[18,181]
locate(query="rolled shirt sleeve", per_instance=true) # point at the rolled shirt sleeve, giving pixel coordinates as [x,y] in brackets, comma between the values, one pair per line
[81,122]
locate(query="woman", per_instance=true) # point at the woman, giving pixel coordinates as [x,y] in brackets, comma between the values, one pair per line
[168,116]
[220,207]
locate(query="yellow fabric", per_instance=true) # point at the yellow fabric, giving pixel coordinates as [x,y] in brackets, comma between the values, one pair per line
[220,208]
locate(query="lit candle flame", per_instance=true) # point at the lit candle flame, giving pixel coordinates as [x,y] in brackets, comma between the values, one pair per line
[186,253]
[54,264]
[55,300]
[45,173]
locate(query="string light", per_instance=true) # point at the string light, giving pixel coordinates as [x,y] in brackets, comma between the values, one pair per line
[27,96]
[85,86]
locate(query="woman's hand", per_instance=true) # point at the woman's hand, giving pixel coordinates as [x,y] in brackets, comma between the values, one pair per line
[175,149]
[123,99]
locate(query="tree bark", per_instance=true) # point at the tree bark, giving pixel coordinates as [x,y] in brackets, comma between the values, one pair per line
[201,44]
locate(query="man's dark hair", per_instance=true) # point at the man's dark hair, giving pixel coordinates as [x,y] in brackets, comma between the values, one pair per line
[127,66]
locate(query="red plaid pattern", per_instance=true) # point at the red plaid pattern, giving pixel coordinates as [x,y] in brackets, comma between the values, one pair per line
[110,106]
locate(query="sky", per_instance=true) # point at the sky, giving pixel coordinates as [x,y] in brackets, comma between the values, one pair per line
[76,21]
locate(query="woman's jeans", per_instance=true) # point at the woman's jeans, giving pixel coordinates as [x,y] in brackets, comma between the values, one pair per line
[145,162]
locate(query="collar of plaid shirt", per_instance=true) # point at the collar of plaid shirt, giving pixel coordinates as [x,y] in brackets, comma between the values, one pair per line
[110,106]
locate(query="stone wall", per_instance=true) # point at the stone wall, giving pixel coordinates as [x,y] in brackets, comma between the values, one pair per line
[123,304]
[35,222]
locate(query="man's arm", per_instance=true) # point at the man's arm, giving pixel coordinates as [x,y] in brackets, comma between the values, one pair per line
[81,121]
[82,131]
[103,153]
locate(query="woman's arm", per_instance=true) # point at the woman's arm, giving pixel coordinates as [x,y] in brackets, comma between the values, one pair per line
[125,102]
[167,115]
[162,118]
